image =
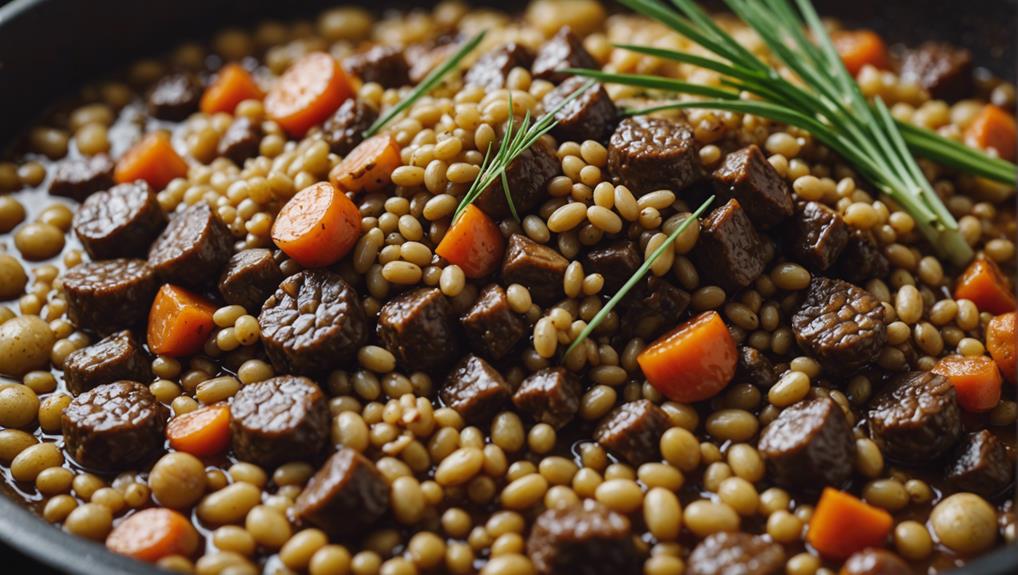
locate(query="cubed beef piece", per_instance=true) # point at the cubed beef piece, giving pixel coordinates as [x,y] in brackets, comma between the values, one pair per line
[491,70]
[730,253]
[241,140]
[583,539]
[490,326]
[633,431]
[873,561]
[809,445]
[647,154]
[419,328]
[915,419]
[736,554]
[424,57]
[114,426]
[109,295]
[944,70]
[528,176]
[193,248]
[120,222]
[589,116]
[78,178]
[862,259]
[475,390]
[250,277]
[754,368]
[819,235]
[281,419]
[550,396]
[747,176]
[344,130]
[538,268]
[115,357]
[385,65]
[563,50]
[982,465]
[652,308]
[174,97]
[346,496]
[840,324]
[616,262]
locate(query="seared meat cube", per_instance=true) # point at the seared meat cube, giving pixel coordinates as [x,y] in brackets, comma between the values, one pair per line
[281,419]
[862,259]
[819,235]
[344,130]
[250,277]
[747,176]
[583,539]
[346,496]
[982,465]
[114,426]
[563,50]
[652,308]
[109,295]
[730,253]
[119,223]
[475,390]
[915,418]
[944,70]
[633,431]
[754,368]
[616,263]
[491,328]
[419,328]
[809,445]
[174,97]
[77,178]
[736,554]
[589,116]
[491,70]
[424,57]
[538,268]
[241,140]
[647,154]
[873,561]
[116,357]
[528,176]
[384,65]
[314,323]
[193,249]
[840,325]
[550,396]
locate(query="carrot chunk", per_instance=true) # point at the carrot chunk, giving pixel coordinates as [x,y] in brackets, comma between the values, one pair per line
[993,128]
[1000,341]
[985,285]
[153,159]
[202,432]
[151,534]
[976,380]
[692,363]
[231,86]
[179,322]
[369,166]
[474,243]
[308,93]
[858,48]
[318,226]
[842,525]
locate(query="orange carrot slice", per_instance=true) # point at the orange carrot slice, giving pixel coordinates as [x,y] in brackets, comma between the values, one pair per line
[858,48]
[318,226]
[842,525]
[231,86]
[1000,342]
[153,159]
[692,363]
[151,534]
[474,243]
[308,93]
[179,322]
[202,432]
[993,128]
[369,166]
[976,381]
[985,285]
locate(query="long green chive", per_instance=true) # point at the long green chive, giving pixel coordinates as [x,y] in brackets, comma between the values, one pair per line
[637,276]
[428,84]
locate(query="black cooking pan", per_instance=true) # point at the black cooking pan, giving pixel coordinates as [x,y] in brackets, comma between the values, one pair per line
[48,47]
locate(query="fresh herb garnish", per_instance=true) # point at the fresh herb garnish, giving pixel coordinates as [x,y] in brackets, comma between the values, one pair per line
[515,141]
[828,103]
[637,276]
[427,84]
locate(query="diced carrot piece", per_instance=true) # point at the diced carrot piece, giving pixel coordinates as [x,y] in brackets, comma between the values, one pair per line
[692,363]
[473,242]
[151,534]
[202,432]
[179,322]
[1000,342]
[318,226]
[369,166]
[985,285]
[842,525]
[976,381]
[153,159]
[308,93]
[230,87]
[993,128]
[858,48]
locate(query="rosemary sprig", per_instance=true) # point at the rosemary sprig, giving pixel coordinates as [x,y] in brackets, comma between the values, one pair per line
[637,276]
[428,84]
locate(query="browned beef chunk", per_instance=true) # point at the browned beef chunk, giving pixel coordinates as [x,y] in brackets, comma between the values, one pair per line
[944,70]
[862,259]
[633,431]
[982,465]
[492,69]
[915,418]
[174,97]
[550,396]
[120,222]
[583,539]
[475,390]
[491,328]
[730,253]
[747,176]
[651,308]
[616,262]
[528,176]
[647,154]
[77,178]
[346,496]
[538,268]
[736,554]
[344,130]
[419,328]
[193,249]
[250,277]
[809,445]
[281,419]
[873,561]
[424,57]
[563,50]
[385,65]
[109,295]
[839,324]
[114,426]
[116,357]
[754,368]
[819,235]
[590,115]
[241,140]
